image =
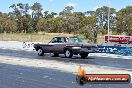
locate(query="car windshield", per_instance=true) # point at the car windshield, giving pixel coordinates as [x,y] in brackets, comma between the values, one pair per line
[74,39]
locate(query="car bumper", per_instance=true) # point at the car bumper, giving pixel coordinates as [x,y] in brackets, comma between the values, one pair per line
[85,50]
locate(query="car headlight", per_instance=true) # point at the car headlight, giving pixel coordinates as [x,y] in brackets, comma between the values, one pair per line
[76,47]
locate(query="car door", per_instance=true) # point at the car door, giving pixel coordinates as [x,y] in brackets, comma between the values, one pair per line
[58,45]
[52,44]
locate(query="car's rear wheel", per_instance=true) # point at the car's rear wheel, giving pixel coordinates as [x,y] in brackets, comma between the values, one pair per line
[40,52]
[68,53]
[84,55]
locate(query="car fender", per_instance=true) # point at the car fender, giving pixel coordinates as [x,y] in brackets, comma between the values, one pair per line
[68,47]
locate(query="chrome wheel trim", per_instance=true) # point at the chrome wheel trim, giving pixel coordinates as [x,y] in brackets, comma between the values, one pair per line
[40,51]
[67,53]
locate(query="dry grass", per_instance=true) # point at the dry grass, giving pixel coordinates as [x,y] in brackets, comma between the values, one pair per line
[100,39]
[40,37]
[31,37]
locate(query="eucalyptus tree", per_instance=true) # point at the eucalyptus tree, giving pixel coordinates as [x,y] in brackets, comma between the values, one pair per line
[2,21]
[68,19]
[36,14]
[6,24]
[47,22]
[101,15]
[22,17]
[124,20]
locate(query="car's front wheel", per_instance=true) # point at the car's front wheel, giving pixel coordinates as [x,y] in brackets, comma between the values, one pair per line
[40,52]
[84,55]
[68,53]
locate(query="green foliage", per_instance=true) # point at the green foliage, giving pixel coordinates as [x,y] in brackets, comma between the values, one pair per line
[124,20]
[115,33]
[26,19]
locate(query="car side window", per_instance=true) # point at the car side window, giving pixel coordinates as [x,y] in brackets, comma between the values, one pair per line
[63,40]
[57,40]
[60,40]
[54,40]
